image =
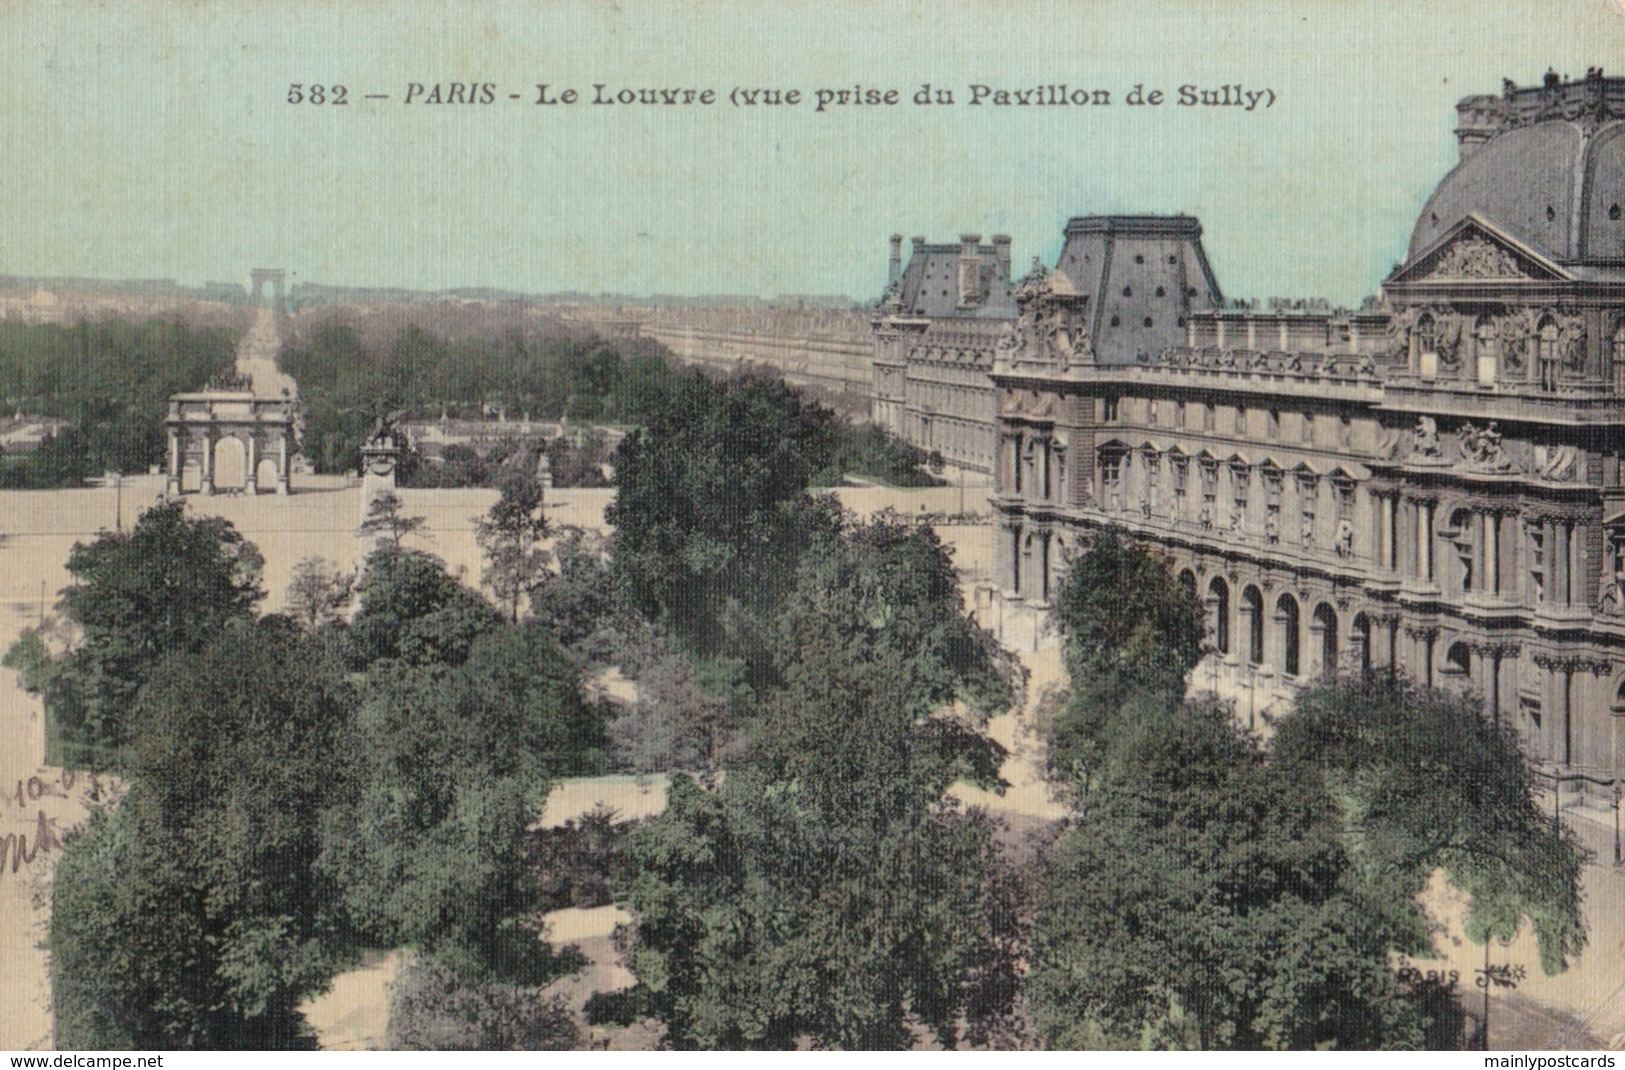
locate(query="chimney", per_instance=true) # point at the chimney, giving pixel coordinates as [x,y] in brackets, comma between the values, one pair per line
[1001,249]
[970,270]
[895,270]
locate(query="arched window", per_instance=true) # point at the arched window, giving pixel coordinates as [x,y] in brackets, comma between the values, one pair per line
[1362,636]
[1286,619]
[1252,611]
[1458,661]
[1218,596]
[1325,625]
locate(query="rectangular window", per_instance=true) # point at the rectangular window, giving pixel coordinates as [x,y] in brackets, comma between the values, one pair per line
[1537,563]
[1108,410]
[1111,480]
[1308,491]
[1240,486]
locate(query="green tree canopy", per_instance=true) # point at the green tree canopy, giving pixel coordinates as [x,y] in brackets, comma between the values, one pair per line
[825,893]
[1202,902]
[508,535]
[1423,780]
[167,586]
[708,511]
[192,915]
[411,610]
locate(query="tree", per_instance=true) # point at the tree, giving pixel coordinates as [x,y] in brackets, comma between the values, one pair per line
[832,900]
[412,611]
[169,585]
[192,915]
[317,593]
[824,893]
[434,1008]
[449,766]
[1132,635]
[886,587]
[709,510]
[1204,901]
[385,518]
[508,534]
[1423,781]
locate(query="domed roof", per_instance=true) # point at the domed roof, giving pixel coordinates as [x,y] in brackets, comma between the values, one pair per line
[1545,164]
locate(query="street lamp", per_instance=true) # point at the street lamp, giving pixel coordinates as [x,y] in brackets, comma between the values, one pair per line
[1505,975]
[1619,794]
[118,501]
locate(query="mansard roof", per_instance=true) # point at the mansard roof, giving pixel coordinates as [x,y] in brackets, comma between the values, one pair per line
[929,285]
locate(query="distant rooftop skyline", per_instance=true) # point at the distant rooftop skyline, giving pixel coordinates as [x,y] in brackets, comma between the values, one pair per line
[152,140]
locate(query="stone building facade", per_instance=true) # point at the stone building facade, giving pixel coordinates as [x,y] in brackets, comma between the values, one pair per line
[1433,483]
[945,316]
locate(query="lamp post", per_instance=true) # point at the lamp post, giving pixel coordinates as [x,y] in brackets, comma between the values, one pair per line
[1505,975]
[1619,794]
[118,501]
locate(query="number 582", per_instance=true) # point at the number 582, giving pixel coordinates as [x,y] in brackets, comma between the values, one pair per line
[317,94]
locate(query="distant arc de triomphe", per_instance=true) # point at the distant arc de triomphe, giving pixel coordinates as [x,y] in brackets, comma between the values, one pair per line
[261,277]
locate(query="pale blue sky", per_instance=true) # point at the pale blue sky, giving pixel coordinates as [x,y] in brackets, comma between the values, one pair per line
[151,139]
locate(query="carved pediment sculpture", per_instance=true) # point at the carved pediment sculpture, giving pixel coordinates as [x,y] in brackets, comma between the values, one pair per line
[1472,257]
[1064,334]
[1447,342]
[892,301]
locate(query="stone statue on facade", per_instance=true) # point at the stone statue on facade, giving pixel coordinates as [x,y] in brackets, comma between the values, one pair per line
[1482,450]
[1426,438]
[1345,538]
[1571,344]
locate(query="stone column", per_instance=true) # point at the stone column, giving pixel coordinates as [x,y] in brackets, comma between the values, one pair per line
[1424,539]
[1577,565]
[1565,751]
[1558,540]
[282,464]
[172,485]
[1403,555]
[1388,504]
[252,452]
[1491,551]
[206,484]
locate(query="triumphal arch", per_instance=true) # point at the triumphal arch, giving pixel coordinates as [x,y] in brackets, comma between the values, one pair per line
[224,438]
